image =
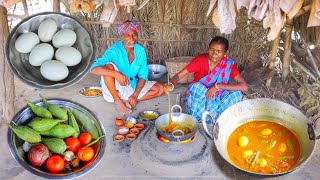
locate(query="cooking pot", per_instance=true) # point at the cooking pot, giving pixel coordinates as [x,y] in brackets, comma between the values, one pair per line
[269,110]
[179,118]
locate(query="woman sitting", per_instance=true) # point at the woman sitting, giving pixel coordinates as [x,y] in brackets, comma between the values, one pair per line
[210,89]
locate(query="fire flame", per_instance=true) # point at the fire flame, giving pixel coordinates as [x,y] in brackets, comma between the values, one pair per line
[163,139]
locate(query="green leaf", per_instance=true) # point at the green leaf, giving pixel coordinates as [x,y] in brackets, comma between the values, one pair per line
[290,145]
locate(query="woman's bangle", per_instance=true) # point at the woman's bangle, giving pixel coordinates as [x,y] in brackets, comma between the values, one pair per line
[172,86]
[173,82]
[216,86]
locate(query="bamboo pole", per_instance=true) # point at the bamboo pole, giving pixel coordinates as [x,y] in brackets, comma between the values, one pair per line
[56,6]
[287,49]
[273,59]
[191,26]
[6,77]
[191,41]
[303,11]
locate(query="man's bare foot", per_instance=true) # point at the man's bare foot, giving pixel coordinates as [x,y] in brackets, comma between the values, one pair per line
[122,107]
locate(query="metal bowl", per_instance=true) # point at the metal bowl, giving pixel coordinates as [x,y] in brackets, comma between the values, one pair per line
[86,120]
[148,115]
[156,71]
[88,88]
[19,62]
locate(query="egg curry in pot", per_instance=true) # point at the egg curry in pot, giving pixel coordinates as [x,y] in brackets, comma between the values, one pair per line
[263,147]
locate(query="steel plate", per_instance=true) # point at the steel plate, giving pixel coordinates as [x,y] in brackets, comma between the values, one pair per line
[31,75]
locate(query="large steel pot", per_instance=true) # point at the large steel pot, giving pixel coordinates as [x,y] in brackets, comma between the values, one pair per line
[183,120]
[270,110]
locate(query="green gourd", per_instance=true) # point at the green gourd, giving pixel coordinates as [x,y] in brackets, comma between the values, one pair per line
[55,145]
[59,131]
[25,133]
[43,124]
[39,111]
[73,122]
[56,111]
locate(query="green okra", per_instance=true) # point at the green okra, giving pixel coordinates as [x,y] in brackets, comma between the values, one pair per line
[55,145]
[25,133]
[73,123]
[39,111]
[43,124]
[59,131]
[55,110]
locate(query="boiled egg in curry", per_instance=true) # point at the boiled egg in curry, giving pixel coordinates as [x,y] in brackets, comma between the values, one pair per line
[247,154]
[266,132]
[282,147]
[243,141]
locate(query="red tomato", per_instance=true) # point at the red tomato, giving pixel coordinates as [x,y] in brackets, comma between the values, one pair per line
[85,153]
[73,144]
[55,163]
[85,138]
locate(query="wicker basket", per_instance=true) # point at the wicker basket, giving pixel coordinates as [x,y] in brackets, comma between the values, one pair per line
[176,64]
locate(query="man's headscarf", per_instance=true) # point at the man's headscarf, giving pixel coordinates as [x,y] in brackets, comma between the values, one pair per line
[127,26]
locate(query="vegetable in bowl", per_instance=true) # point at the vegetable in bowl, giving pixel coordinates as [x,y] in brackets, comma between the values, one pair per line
[55,139]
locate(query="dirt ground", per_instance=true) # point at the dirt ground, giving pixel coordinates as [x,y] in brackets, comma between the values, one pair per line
[256,79]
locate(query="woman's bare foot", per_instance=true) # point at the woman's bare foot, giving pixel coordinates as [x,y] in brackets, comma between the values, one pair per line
[122,107]
[127,104]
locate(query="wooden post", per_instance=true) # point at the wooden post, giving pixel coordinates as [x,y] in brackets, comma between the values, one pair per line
[56,5]
[273,59]
[287,49]
[6,76]
[25,7]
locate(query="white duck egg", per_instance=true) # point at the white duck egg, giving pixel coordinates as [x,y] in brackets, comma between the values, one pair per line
[69,56]
[64,37]
[54,70]
[41,53]
[26,42]
[47,29]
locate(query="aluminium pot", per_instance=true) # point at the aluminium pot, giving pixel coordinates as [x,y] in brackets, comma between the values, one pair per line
[182,119]
[269,110]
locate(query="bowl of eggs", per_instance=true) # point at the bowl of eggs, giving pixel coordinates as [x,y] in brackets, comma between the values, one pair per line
[50,50]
